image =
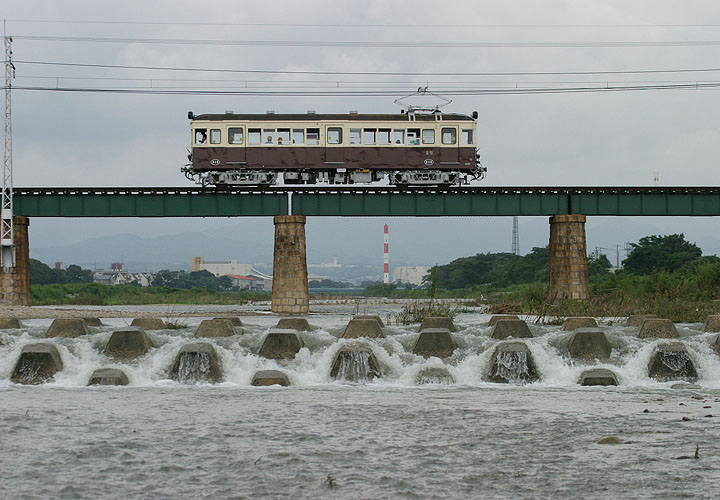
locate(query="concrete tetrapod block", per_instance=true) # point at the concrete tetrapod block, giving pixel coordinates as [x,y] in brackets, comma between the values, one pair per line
[434,376]
[270,377]
[712,323]
[235,320]
[67,327]
[299,324]
[515,328]
[149,323]
[716,344]
[671,361]
[368,328]
[92,321]
[497,317]
[37,363]
[355,364]
[126,343]
[656,328]
[370,316]
[579,322]
[7,323]
[434,342]
[215,328]
[438,322]
[197,362]
[598,376]
[589,343]
[281,344]
[637,319]
[512,362]
[108,376]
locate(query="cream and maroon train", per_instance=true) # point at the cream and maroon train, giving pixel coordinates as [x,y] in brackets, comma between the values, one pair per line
[410,149]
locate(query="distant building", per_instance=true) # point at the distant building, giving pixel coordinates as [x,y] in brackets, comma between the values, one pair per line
[112,278]
[410,274]
[58,265]
[220,268]
[257,281]
[117,266]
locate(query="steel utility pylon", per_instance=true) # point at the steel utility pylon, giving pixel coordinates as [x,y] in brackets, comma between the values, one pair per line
[7,247]
[515,237]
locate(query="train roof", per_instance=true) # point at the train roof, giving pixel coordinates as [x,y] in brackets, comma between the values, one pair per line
[328,117]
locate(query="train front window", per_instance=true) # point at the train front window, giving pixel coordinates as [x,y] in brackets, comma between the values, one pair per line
[235,135]
[298,136]
[466,137]
[334,135]
[449,136]
[428,136]
[283,136]
[254,136]
[313,136]
[200,136]
[369,135]
[399,136]
[215,136]
[384,136]
[355,136]
[413,136]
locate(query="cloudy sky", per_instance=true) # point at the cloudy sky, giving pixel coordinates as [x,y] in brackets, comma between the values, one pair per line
[559,138]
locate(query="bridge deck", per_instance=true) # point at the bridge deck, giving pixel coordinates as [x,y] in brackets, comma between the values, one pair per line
[365,201]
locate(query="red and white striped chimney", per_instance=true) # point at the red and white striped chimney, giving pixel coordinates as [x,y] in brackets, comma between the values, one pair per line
[386,258]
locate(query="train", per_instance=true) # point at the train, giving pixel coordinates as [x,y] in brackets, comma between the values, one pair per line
[407,149]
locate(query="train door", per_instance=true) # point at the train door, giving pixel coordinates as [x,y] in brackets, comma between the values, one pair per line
[449,148]
[236,146]
[334,151]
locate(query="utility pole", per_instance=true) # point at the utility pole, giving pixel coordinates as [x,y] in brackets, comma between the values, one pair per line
[515,236]
[7,247]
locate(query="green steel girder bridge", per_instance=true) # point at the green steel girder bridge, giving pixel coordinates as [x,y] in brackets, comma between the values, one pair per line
[363,201]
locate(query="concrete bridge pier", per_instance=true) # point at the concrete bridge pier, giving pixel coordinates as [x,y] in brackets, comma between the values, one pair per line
[15,281]
[567,270]
[290,293]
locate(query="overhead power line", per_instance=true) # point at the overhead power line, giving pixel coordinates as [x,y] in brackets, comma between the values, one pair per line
[373,43]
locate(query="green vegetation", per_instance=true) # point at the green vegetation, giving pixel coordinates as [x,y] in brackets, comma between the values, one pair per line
[327,283]
[196,279]
[416,312]
[43,274]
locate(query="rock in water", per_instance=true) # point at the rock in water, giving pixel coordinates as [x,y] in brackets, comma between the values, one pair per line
[512,362]
[355,364]
[197,362]
[610,440]
[712,323]
[270,377]
[127,343]
[299,324]
[358,328]
[589,343]
[671,361]
[280,344]
[149,323]
[108,376]
[580,322]
[438,322]
[37,364]
[434,342]
[597,376]
[658,328]
[434,376]
[67,327]
[506,328]
[497,317]
[215,328]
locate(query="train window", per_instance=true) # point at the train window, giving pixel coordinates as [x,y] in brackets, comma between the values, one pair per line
[355,135]
[215,136]
[399,136]
[449,136]
[334,135]
[384,136]
[235,135]
[466,137]
[283,136]
[313,136]
[254,136]
[413,136]
[200,136]
[428,136]
[268,134]
[369,135]
[298,136]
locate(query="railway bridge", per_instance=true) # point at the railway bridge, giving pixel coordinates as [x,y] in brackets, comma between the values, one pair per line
[566,207]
